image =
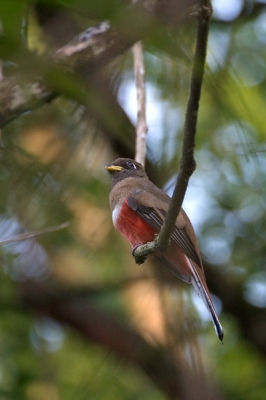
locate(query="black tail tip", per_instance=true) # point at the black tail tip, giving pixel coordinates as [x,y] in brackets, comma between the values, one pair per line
[220,334]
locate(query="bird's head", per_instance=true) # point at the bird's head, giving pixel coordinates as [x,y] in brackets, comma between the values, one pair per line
[123,168]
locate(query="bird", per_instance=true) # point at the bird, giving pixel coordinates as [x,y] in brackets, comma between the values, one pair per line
[138,210]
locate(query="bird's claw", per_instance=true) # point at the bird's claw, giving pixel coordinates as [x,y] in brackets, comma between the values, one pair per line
[139,259]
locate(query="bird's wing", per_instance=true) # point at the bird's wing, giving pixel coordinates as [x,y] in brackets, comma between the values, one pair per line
[155,218]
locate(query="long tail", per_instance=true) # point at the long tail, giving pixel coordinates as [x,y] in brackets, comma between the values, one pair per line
[188,271]
[201,288]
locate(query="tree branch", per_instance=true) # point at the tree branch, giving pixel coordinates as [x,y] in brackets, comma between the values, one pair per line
[142,128]
[93,48]
[188,164]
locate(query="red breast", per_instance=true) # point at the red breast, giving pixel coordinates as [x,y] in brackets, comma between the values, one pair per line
[132,227]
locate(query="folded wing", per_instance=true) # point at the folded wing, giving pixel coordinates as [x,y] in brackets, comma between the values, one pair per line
[187,256]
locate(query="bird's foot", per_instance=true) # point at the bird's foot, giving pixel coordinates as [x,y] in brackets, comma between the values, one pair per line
[139,259]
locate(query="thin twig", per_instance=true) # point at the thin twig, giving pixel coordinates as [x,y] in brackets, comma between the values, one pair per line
[29,235]
[142,128]
[188,164]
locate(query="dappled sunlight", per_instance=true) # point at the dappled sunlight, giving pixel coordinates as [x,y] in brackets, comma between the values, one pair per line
[92,224]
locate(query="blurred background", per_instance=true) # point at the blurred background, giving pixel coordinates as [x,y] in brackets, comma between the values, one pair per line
[78,318]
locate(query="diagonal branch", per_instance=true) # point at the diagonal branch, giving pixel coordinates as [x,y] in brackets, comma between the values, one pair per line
[93,48]
[188,164]
[90,50]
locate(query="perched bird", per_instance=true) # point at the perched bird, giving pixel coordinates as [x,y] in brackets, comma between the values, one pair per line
[138,212]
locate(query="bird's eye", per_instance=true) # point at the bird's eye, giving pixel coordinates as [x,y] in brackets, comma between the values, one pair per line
[131,165]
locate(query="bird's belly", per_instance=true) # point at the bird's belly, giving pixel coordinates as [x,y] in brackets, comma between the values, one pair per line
[131,226]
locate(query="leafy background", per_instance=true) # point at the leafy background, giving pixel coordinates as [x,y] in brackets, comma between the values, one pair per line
[52,171]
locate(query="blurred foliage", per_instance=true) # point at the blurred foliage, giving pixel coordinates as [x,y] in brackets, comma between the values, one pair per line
[51,171]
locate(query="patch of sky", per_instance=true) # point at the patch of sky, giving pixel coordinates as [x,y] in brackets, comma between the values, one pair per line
[255,290]
[162,117]
[218,46]
[47,333]
[217,246]
[227,10]
[30,259]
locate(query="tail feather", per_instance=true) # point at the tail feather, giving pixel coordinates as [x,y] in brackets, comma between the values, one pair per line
[187,270]
[202,290]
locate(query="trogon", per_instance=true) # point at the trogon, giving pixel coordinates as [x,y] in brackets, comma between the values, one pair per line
[138,211]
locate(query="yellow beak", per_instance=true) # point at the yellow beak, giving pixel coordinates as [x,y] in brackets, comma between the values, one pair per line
[111,168]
